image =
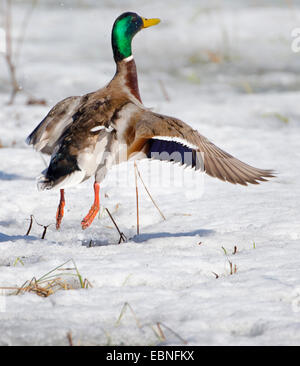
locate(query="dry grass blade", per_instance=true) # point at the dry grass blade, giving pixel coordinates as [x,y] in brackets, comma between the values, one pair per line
[86,283]
[70,339]
[233,268]
[164,90]
[149,194]
[18,260]
[44,289]
[157,328]
[159,332]
[159,324]
[123,311]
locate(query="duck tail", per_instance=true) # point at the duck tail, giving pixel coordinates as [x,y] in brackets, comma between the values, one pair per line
[63,171]
[43,182]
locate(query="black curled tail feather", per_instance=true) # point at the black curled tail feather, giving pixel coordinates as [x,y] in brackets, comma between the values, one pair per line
[61,165]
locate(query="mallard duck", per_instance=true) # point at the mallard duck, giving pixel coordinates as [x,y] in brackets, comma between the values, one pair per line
[86,135]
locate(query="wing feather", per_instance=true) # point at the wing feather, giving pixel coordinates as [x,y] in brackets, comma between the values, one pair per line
[217,162]
[45,136]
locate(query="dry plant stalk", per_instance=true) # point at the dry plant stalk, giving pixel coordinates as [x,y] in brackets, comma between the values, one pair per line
[138,174]
[9,54]
[44,226]
[233,268]
[44,232]
[30,225]
[122,236]
[217,276]
[164,90]
[70,339]
[137,200]
[154,203]
[11,57]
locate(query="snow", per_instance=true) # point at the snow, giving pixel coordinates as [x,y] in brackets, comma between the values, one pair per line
[177,271]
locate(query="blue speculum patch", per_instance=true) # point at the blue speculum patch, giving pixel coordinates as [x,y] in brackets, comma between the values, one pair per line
[174,152]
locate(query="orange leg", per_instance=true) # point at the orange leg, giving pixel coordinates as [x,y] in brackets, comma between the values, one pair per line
[86,222]
[60,209]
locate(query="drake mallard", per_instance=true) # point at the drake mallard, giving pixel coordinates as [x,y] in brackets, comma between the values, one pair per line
[86,135]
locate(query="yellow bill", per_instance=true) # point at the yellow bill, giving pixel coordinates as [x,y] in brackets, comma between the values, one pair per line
[149,22]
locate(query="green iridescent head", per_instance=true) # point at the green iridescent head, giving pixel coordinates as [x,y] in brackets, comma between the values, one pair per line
[124,29]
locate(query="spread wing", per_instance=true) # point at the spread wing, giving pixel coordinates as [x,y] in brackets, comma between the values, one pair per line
[45,136]
[167,138]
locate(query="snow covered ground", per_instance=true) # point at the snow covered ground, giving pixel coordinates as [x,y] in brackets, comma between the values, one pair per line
[227,69]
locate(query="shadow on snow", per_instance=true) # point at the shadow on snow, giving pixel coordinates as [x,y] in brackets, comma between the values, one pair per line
[8,176]
[4,237]
[144,237]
